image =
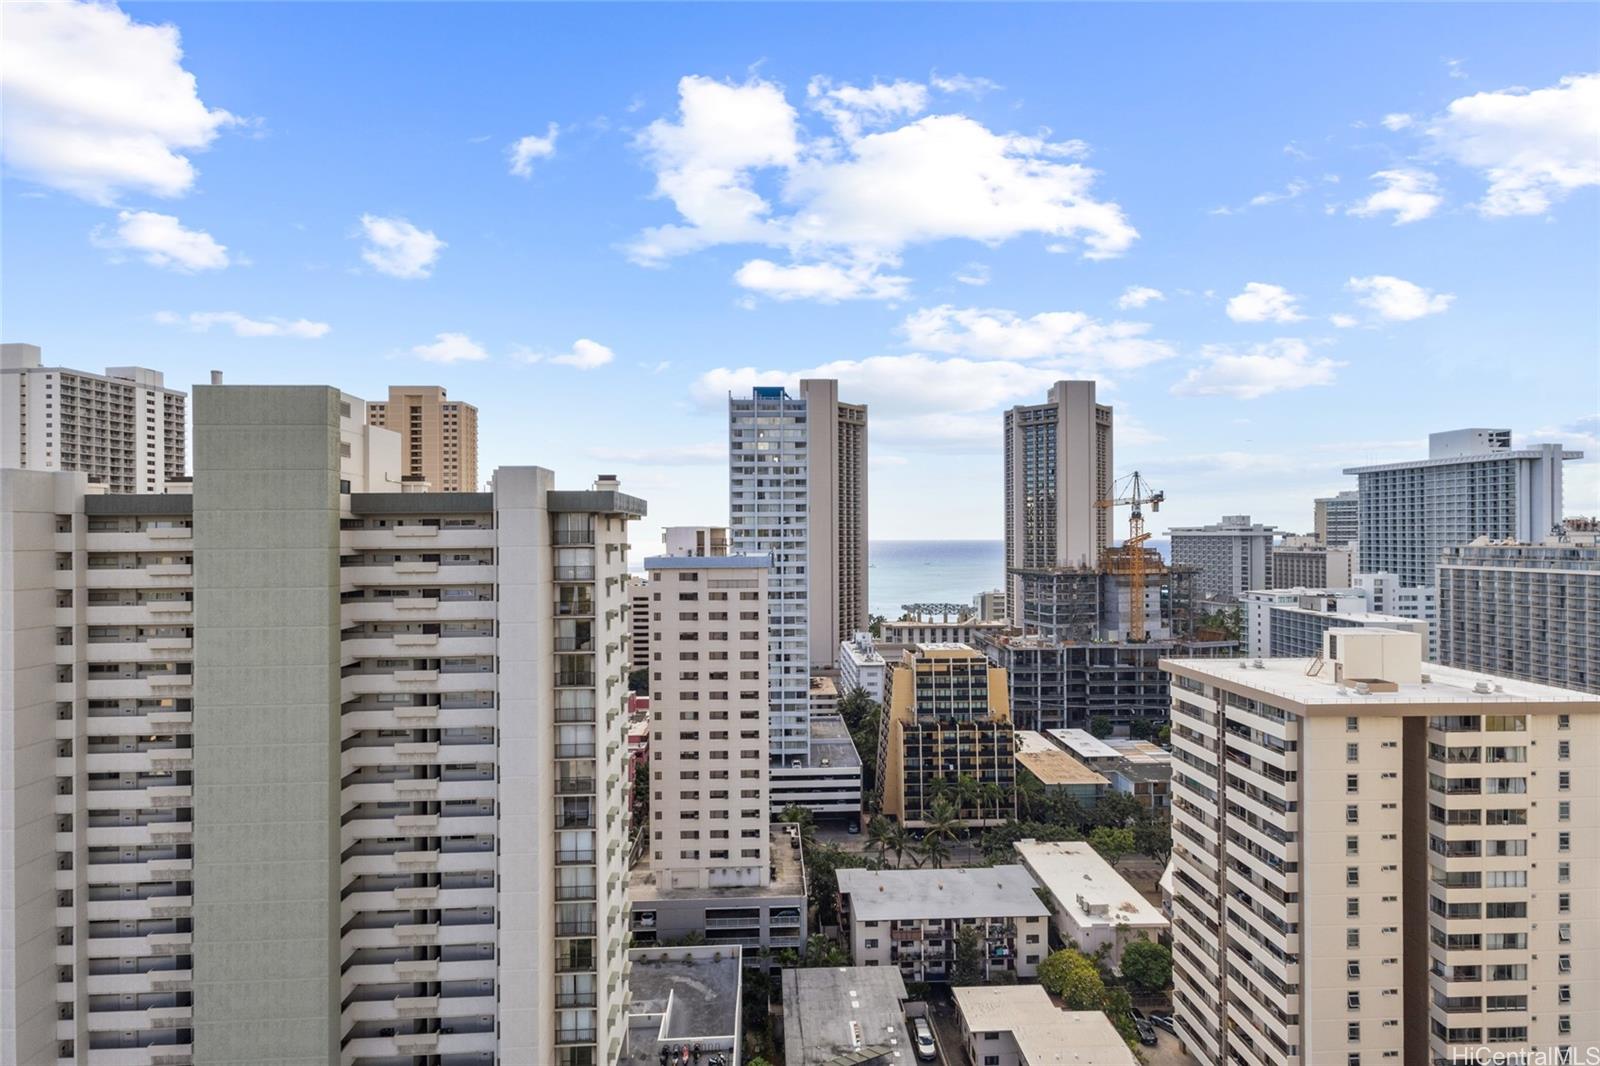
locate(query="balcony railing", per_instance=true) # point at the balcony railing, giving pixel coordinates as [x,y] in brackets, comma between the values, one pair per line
[574,573]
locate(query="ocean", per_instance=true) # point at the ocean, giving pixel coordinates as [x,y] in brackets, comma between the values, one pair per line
[937,571]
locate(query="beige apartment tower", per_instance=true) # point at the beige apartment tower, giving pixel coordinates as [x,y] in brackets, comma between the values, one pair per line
[1058,463]
[836,518]
[1380,860]
[438,436]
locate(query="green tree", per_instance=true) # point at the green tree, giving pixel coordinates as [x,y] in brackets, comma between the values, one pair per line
[968,968]
[640,804]
[823,863]
[875,626]
[1165,736]
[1118,1006]
[1070,975]
[1147,965]
[1111,843]
[880,835]
[1116,809]
[933,850]
[899,842]
[800,817]
[820,951]
[1100,726]
[1141,729]
[639,681]
[1153,837]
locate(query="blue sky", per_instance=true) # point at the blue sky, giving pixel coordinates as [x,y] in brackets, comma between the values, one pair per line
[1285,238]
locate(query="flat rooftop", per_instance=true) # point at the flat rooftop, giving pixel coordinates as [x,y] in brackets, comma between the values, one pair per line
[707,562]
[1287,678]
[681,994]
[823,686]
[977,892]
[833,1011]
[830,740]
[1086,887]
[788,880]
[1050,764]
[1045,1034]
[1083,743]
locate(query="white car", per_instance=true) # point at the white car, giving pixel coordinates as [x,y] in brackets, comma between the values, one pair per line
[922,1038]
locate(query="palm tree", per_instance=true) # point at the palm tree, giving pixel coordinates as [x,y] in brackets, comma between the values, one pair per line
[1029,791]
[933,850]
[799,816]
[899,842]
[994,798]
[968,795]
[943,822]
[880,836]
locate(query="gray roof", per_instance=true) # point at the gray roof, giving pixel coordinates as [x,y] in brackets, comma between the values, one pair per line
[116,503]
[977,892]
[707,562]
[831,1013]
[420,502]
[682,995]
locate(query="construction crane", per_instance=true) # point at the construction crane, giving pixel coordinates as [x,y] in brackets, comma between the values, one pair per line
[1132,491]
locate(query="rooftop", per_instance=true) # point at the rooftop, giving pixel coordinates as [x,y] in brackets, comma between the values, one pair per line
[707,562]
[830,740]
[1087,889]
[1045,1034]
[834,1011]
[1287,679]
[1084,744]
[1049,763]
[978,892]
[788,878]
[823,686]
[1498,455]
[682,994]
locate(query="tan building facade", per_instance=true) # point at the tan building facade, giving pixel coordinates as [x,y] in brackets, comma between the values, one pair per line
[836,518]
[438,436]
[1373,863]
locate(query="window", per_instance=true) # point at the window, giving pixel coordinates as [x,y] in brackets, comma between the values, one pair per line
[1563,749]
[991,1060]
[1352,753]
[1563,841]
[1352,783]
[1352,876]
[1564,811]
[1352,1000]
[1352,969]
[1564,780]
[1564,903]
[1352,814]
[1352,1031]
[871,942]
[1352,907]
[1352,845]
[1352,724]
[1352,939]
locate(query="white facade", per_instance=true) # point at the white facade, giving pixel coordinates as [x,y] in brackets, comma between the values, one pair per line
[862,666]
[124,429]
[962,631]
[1473,484]
[708,746]
[991,605]
[1234,556]
[1289,623]
[1058,464]
[1020,1025]
[1094,906]
[1387,594]
[1377,863]
[352,821]
[638,622]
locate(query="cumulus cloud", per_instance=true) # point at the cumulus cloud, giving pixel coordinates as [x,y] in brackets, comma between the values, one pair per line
[1533,147]
[585,355]
[397,248]
[1260,302]
[1410,194]
[827,282]
[961,83]
[244,326]
[1343,321]
[1138,296]
[98,104]
[1396,299]
[876,183]
[162,241]
[1280,365]
[451,348]
[1398,121]
[1072,336]
[525,150]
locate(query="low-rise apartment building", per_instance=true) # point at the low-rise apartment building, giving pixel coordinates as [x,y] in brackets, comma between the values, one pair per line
[1289,623]
[909,919]
[1093,906]
[1381,860]
[1019,1025]
[837,1014]
[1054,770]
[862,666]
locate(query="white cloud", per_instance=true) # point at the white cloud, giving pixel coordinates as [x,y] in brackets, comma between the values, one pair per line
[1396,299]
[1260,302]
[1059,335]
[1411,194]
[976,274]
[709,453]
[397,248]
[585,355]
[1138,296]
[97,103]
[859,197]
[525,150]
[243,326]
[1534,147]
[451,348]
[827,282]
[163,241]
[851,109]
[1262,369]
[887,460]
[1398,121]
[1342,321]
[1291,191]
[961,83]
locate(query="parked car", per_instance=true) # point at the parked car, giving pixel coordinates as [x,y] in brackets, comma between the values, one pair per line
[1164,1021]
[922,1038]
[1142,1026]
[854,827]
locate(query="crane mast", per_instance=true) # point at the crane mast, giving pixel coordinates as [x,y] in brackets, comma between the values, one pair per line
[1135,492]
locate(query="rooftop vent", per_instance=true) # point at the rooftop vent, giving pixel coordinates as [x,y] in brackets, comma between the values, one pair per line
[1259,665]
[1482,688]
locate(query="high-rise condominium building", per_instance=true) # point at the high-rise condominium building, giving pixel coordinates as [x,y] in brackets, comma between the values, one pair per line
[946,719]
[1529,611]
[1473,484]
[990,606]
[1387,594]
[1234,556]
[694,540]
[1289,623]
[314,770]
[1305,562]
[124,429]
[798,494]
[1337,519]
[1058,462]
[639,623]
[438,436]
[1374,864]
